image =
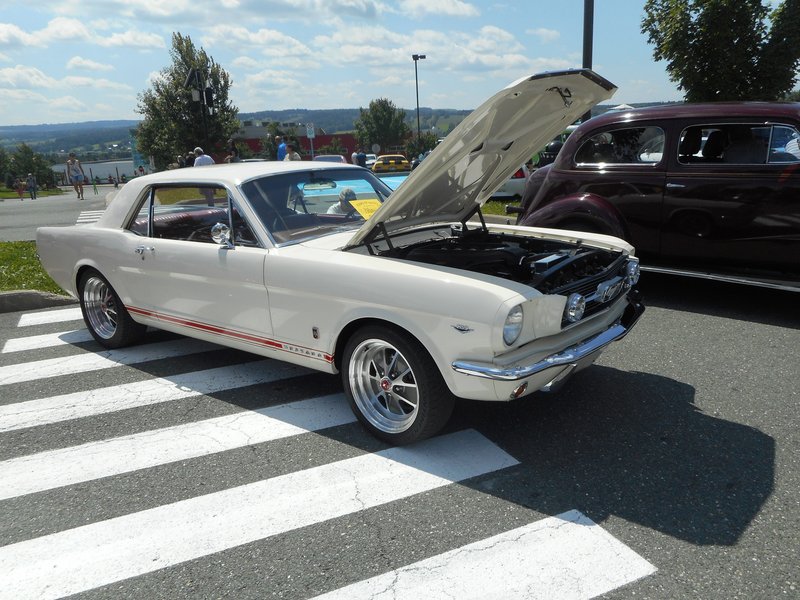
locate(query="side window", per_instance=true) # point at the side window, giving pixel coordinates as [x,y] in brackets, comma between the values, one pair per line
[784,145]
[633,145]
[140,225]
[242,233]
[189,213]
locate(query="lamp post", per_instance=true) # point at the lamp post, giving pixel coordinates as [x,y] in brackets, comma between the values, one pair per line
[417,57]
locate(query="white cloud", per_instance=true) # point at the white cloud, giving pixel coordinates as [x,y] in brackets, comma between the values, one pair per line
[12,36]
[424,8]
[133,39]
[245,62]
[21,96]
[22,76]
[545,35]
[77,62]
[63,29]
[93,82]
[69,103]
[4,57]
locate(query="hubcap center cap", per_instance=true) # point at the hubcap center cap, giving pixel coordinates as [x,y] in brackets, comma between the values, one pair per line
[386,385]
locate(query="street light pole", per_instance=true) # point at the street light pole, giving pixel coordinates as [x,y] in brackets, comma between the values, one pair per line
[417,57]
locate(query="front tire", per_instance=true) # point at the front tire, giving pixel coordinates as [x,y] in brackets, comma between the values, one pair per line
[104,314]
[393,386]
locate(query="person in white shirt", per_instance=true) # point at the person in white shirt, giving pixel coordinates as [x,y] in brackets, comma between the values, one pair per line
[343,207]
[201,158]
[291,154]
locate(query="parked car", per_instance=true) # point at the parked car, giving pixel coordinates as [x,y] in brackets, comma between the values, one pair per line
[390,163]
[514,186]
[706,190]
[335,158]
[409,295]
[371,158]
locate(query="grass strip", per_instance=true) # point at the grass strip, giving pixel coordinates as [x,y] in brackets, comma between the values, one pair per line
[20,269]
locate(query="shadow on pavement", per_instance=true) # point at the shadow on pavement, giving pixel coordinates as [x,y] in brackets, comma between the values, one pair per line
[632,445]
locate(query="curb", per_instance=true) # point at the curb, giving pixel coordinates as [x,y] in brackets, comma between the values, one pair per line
[31,300]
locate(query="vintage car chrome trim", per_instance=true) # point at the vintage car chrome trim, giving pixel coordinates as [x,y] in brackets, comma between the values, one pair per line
[234,334]
[567,357]
[787,286]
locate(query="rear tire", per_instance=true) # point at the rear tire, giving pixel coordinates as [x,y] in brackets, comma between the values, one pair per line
[393,386]
[104,314]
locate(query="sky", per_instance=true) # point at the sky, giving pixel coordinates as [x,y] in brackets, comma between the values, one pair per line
[87,60]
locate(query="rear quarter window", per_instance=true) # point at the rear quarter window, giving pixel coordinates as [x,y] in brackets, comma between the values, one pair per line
[630,145]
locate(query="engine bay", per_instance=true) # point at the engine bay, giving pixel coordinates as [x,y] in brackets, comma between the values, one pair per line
[552,267]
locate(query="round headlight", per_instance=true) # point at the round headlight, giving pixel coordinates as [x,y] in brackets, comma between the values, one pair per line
[576,305]
[632,272]
[513,325]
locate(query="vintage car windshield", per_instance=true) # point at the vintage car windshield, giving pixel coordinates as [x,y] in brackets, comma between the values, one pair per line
[301,205]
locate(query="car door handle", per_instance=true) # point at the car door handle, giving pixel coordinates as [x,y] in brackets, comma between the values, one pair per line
[675,186]
[140,250]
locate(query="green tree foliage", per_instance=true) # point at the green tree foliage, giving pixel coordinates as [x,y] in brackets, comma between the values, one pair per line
[416,146]
[383,124]
[175,122]
[726,49]
[334,147]
[23,161]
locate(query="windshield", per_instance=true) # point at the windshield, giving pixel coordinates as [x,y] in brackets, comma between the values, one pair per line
[306,204]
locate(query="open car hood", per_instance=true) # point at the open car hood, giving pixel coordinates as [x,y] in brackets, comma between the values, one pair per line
[477,157]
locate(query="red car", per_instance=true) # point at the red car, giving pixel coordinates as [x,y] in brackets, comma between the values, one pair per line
[707,190]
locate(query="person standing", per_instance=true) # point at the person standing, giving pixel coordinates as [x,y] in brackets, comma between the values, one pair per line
[20,189]
[354,157]
[31,183]
[190,159]
[361,158]
[233,152]
[201,158]
[75,174]
[281,151]
[291,154]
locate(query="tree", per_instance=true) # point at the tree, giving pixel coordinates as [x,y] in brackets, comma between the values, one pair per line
[334,147]
[187,106]
[417,145]
[24,160]
[726,49]
[381,123]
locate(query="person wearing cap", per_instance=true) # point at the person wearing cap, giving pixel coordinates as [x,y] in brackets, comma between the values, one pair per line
[31,183]
[201,158]
[343,207]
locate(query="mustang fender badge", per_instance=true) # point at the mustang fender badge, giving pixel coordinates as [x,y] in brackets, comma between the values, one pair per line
[462,328]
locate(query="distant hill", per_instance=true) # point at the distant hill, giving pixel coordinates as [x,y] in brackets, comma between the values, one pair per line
[107,139]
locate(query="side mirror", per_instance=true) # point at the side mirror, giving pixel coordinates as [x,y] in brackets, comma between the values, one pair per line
[221,234]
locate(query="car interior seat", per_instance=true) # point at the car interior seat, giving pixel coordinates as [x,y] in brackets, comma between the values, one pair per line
[690,145]
[715,144]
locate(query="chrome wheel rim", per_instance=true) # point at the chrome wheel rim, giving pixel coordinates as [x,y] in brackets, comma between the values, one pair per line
[383,385]
[101,307]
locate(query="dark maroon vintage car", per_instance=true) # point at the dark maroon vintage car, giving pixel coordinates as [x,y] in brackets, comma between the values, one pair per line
[708,190]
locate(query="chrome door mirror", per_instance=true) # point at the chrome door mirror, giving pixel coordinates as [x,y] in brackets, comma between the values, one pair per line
[221,234]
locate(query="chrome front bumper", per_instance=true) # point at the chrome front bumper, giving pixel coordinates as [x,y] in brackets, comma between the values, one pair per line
[565,358]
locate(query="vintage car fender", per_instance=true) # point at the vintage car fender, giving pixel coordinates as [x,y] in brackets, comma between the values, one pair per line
[587,209]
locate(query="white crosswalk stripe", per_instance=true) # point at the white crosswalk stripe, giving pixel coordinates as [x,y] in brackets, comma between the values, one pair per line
[89,216]
[63,452]
[57,468]
[50,316]
[566,556]
[47,340]
[131,395]
[91,361]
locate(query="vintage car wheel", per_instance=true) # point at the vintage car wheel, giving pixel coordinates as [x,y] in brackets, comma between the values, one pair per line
[105,315]
[394,387]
